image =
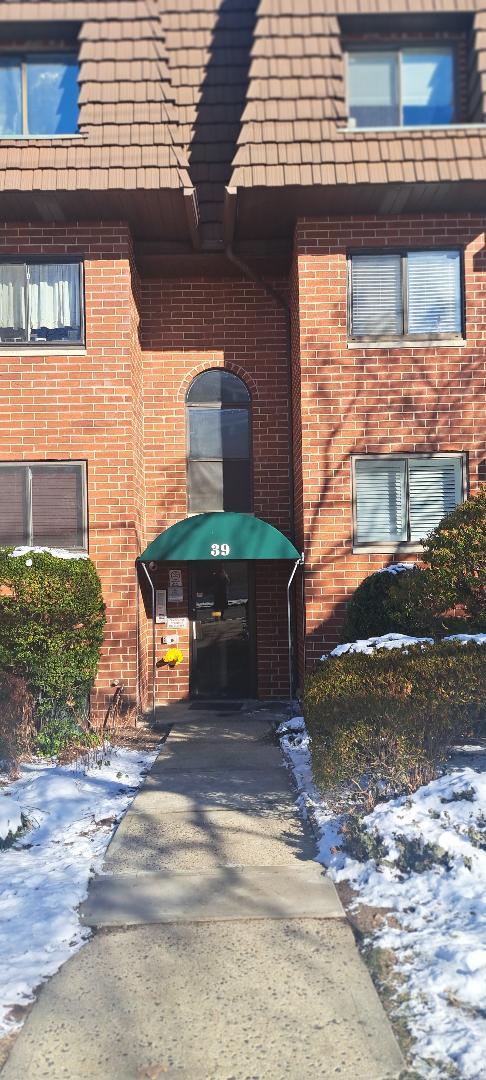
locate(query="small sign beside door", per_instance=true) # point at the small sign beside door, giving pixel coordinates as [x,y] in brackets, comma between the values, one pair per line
[160,605]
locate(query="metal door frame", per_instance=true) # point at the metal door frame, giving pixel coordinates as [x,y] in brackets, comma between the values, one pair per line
[252,630]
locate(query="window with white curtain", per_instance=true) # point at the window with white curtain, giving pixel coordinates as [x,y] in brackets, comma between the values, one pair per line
[411,294]
[41,302]
[400,498]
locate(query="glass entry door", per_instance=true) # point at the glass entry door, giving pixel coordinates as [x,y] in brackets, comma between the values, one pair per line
[223,654]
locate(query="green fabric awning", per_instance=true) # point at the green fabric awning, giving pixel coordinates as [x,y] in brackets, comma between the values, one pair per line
[219,536]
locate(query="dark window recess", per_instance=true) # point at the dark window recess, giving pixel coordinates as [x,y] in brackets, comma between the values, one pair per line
[415,294]
[402,87]
[400,499]
[43,505]
[41,303]
[38,94]
[218,427]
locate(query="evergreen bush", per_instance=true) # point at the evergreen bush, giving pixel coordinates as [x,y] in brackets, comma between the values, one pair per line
[383,722]
[446,595]
[51,630]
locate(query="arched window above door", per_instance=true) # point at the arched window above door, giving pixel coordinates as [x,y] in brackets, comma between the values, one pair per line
[219,439]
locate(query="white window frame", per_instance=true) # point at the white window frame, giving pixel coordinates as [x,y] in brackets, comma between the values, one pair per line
[456,337]
[29,465]
[387,546]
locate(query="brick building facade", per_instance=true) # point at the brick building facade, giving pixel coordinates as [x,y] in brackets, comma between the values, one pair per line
[215,202]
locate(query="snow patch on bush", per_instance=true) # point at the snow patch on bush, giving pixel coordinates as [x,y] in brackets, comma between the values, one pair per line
[59,553]
[397,641]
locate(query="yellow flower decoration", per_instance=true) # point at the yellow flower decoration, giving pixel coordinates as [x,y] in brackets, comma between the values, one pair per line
[173,657]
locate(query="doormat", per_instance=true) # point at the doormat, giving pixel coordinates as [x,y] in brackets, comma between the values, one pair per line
[217,706]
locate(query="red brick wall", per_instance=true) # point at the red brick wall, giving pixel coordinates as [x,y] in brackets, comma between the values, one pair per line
[374,400]
[84,407]
[187,327]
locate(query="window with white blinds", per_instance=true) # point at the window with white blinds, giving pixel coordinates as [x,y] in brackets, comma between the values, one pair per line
[43,504]
[414,294]
[400,499]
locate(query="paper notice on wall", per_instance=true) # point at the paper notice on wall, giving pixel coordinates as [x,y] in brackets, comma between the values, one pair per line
[176,594]
[175,578]
[177,624]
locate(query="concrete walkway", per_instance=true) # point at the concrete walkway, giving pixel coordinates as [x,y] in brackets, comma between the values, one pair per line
[220,951]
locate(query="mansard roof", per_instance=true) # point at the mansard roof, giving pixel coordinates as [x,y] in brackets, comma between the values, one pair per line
[231,114]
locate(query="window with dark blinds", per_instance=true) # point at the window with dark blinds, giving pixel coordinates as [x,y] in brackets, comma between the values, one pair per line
[400,499]
[414,294]
[43,504]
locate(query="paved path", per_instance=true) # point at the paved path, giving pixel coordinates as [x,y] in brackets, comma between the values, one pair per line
[220,951]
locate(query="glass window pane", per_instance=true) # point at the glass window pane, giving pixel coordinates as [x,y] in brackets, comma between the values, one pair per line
[13,295]
[13,505]
[435,488]
[237,486]
[52,96]
[10,98]
[427,86]
[376,296]
[205,486]
[218,385]
[54,302]
[380,500]
[217,433]
[372,89]
[434,292]
[57,506]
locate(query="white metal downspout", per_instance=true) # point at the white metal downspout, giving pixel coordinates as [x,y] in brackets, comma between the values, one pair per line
[289,628]
[152,586]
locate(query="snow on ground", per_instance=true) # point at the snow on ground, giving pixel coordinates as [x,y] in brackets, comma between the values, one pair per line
[438,933]
[44,875]
[11,819]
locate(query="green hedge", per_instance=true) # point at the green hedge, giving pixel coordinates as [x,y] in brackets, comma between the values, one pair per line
[382,722]
[51,630]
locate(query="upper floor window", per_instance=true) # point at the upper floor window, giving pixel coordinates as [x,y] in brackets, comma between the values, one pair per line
[41,302]
[402,87]
[43,504]
[399,499]
[410,294]
[39,95]
[218,431]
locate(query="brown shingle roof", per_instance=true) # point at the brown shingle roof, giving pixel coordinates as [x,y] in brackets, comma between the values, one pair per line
[292,131]
[127,109]
[240,93]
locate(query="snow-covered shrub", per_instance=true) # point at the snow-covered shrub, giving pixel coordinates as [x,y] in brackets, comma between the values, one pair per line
[51,629]
[383,721]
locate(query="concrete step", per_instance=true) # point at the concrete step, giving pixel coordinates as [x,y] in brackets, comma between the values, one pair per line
[226,893]
[151,841]
[202,753]
[212,789]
